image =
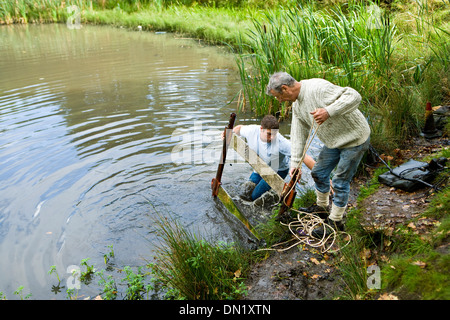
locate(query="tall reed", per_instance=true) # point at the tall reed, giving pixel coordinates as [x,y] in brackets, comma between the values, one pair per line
[43,11]
[352,45]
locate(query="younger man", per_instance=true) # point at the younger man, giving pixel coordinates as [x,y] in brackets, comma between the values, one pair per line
[271,147]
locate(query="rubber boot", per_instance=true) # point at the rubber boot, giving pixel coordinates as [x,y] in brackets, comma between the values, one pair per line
[246,190]
[321,207]
[334,220]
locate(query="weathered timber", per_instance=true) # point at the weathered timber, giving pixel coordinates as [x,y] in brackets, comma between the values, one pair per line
[260,166]
[215,183]
[288,195]
[231,206]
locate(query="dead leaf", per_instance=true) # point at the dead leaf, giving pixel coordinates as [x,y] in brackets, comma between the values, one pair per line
[389,231]
[365,253]
[419,263]
[316,276]
[387,296]
[386,157]
[315,261]
[411,225]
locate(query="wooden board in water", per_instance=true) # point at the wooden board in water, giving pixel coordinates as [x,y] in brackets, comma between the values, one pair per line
[259,165]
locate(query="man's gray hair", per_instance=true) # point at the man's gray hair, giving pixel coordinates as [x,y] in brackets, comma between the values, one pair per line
[279,79]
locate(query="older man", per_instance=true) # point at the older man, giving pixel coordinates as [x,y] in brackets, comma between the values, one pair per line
[343,130]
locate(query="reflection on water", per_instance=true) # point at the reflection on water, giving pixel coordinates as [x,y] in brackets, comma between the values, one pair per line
[89,121]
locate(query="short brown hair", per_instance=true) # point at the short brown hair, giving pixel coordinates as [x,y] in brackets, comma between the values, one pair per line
[270,122]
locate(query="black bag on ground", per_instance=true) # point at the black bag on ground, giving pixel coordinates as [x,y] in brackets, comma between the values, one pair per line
[410,176]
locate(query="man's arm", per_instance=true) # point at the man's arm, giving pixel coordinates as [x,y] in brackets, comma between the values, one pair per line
[340,100]
[309,162]
[299,134]
[236,130]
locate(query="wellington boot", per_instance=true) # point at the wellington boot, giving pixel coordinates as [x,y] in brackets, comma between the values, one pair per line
[317,210]
[246,190]
[324,230]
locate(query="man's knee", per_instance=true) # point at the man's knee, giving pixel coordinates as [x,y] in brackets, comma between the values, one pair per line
[318,176]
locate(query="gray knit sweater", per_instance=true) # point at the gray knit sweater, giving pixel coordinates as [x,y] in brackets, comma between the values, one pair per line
[346,127]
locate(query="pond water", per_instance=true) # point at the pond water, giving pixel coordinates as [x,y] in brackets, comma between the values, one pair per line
[100,128]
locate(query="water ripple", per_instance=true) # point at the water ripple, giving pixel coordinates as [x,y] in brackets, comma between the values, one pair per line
[89,121]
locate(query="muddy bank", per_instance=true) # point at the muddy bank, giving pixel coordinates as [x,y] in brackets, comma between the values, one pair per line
[296,274]
[302,272]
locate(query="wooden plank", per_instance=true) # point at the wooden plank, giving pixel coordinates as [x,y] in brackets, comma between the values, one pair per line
[231,206]
[260,166]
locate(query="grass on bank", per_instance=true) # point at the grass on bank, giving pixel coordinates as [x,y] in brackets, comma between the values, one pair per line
[413,265]
[216,22]
[191,268]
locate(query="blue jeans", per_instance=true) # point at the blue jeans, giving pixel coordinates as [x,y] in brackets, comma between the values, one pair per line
[261,185]
[346,162]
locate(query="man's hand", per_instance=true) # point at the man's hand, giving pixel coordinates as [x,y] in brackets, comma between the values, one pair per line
[292,171]
[320,115]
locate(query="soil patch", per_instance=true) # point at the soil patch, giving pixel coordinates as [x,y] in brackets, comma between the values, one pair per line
[296,274]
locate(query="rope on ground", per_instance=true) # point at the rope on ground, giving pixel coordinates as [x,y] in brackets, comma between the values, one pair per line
[302,228]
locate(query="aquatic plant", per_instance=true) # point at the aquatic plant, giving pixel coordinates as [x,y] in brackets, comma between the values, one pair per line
[19,292]
[192,268]
[53,270]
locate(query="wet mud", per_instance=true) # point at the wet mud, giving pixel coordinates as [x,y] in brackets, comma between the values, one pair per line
[296,274]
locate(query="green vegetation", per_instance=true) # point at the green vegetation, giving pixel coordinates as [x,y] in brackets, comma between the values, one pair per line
[413,265]
[216,22]
[396,64]
[394,54]
[194,269]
